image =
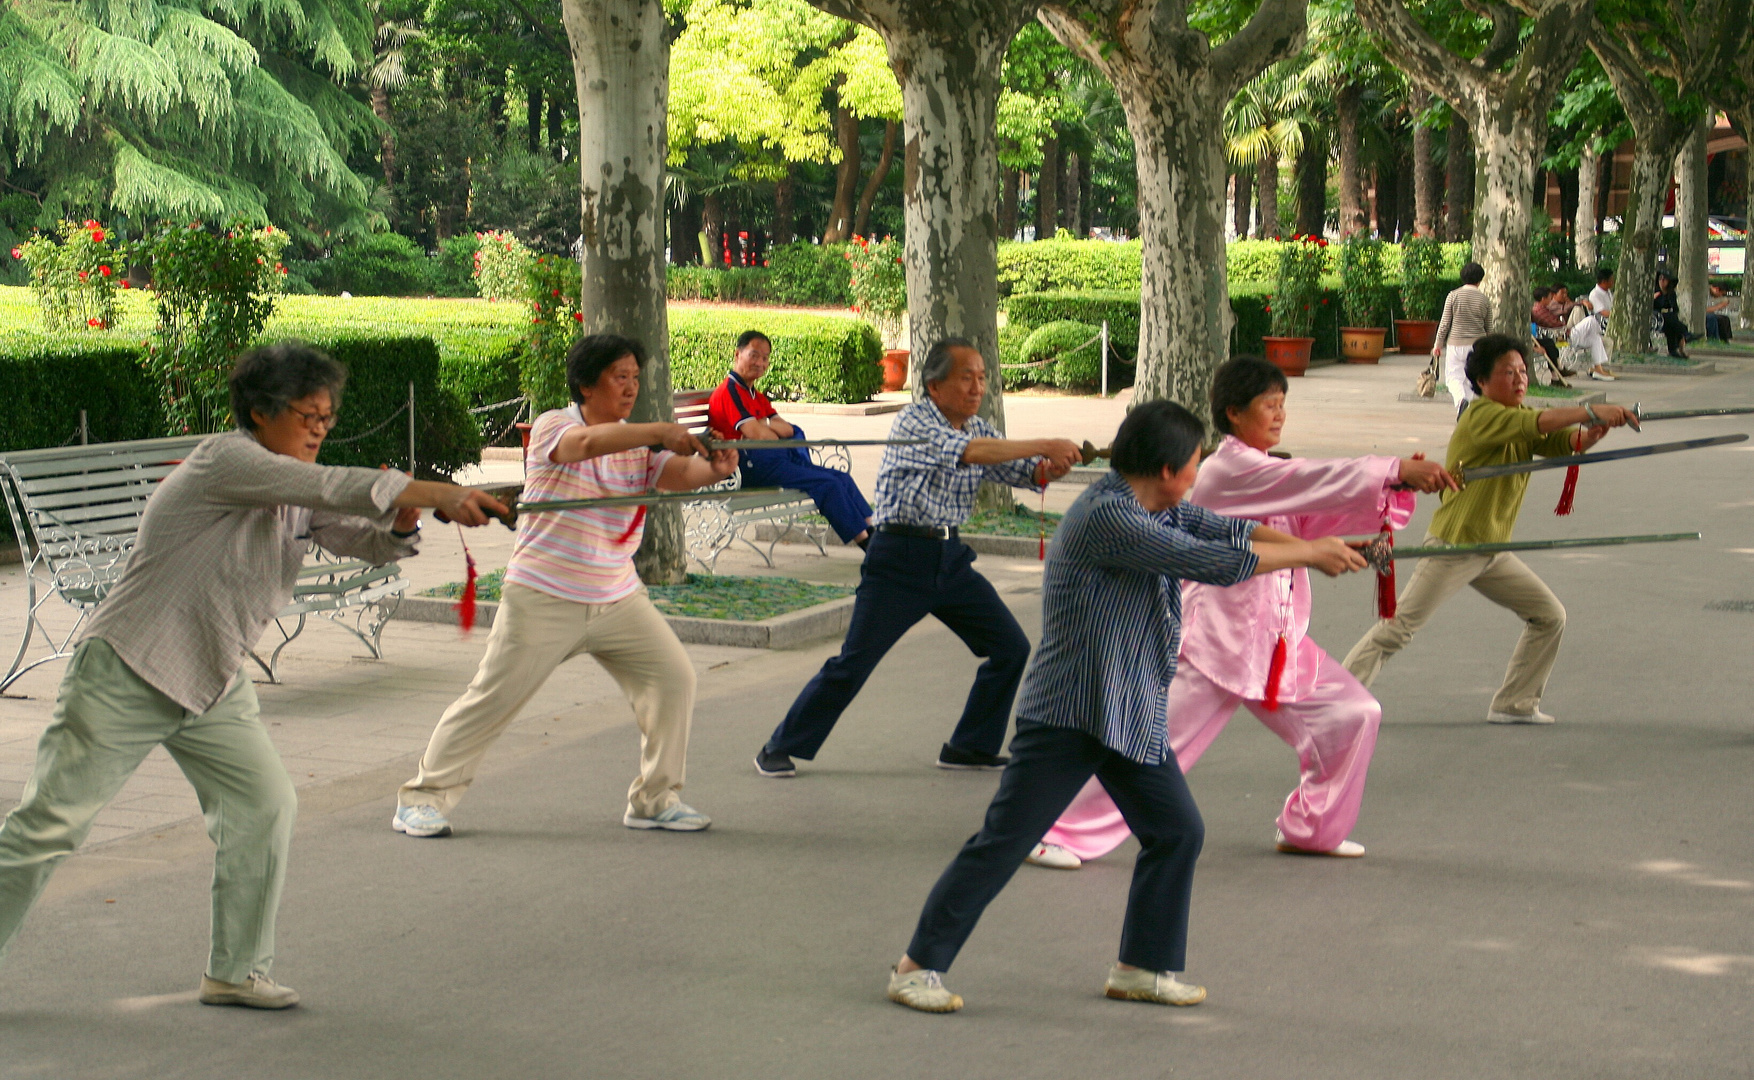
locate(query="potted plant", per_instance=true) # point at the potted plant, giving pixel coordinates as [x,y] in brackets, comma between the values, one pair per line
[1421,262]
[1297,294]
[1361,300]
[879,287]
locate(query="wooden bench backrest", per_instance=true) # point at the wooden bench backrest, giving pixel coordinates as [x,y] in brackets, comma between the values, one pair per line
[690,409]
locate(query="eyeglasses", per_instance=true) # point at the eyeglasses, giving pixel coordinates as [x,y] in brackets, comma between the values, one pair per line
[315,421]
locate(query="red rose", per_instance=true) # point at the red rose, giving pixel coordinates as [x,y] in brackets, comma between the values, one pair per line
[104,270]
[97,236]
[557,292]
[1269,308]
[17,253]
[82,275]
[94,322]
[578,316]
[125,283]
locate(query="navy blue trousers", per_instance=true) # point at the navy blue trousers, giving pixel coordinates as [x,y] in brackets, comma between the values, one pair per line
[1048,767]
[903,580]
[835,492]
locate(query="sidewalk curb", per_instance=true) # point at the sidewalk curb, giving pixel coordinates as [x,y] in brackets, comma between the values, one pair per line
[780,632]
[1701,367]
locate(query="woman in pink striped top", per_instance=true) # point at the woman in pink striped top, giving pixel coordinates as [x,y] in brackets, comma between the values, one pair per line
[570,588]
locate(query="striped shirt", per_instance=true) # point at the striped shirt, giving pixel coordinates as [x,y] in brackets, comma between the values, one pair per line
[581,555]
[218,553]
[930,484]
[1111,613]
[1467,315]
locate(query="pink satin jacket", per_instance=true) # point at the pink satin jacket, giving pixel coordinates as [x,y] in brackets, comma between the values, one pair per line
[1229,633]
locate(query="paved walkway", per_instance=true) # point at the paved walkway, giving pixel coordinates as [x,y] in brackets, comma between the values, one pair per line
[1565,902]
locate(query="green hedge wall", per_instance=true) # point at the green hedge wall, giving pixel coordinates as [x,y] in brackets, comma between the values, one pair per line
[48,380]
[1120,308]
[815,357]
[811,275]
[379,369]
[748,284]
[1102,265]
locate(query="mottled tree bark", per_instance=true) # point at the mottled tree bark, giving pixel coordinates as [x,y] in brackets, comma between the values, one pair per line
[1583,228]
[1173,86]
[862,217]
[621,65]
[1267,181]
[1656,90]
[846,177]
[1346,104]
[1047,190]
[1312,182]
[1504,94]
[1692,209]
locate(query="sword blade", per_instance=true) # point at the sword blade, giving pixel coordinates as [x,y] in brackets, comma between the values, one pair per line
[1541,545]
[788,444]
[650,498]
[1487,472]
[1682,414]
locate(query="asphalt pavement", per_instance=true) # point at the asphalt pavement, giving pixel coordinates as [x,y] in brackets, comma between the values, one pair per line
[1558,902]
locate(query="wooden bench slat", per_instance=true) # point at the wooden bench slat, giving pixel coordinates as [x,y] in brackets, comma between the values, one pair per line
[95,481]
[132,494]
[101,462]
[172,446]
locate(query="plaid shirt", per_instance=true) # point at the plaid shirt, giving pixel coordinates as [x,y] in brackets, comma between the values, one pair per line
[1111,618]
[930,484]
[220,545]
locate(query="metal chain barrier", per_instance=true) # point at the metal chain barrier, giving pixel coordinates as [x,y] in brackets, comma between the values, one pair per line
[374,429]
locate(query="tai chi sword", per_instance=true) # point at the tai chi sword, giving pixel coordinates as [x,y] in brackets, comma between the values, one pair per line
[510,496]
[1638,411]
[794,444]
[1486,472]
[1381,552]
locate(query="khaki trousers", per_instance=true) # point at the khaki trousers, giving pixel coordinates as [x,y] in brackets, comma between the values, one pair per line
[534,633]
[1503,579]
[107,719]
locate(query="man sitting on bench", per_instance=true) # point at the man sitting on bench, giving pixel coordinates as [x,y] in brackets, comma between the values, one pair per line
[737,410]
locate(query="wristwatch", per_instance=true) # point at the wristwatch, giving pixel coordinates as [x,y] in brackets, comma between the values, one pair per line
[400,535]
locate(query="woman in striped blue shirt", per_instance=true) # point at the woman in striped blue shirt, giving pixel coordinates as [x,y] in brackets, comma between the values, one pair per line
[1093,703]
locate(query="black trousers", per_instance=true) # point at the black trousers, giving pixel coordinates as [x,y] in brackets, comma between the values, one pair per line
[903,580]
[1048,767]
[1674,331]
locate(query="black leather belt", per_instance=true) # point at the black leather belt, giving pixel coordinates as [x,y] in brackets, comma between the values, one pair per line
[924,532]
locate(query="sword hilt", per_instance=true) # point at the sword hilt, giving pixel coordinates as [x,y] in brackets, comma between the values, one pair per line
[1088,453]
[1378,553]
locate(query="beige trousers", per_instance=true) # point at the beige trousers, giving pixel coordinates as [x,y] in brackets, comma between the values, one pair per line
[1503,579]
[534,633]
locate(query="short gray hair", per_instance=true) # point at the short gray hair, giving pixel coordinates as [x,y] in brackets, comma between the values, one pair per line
[268,379]
[936,366]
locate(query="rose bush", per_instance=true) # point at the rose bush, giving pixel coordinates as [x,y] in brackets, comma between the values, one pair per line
[74,275]
[1297,290]
[502,266]
[879,284]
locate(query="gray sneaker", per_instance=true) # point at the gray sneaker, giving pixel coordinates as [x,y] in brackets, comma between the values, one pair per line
[1160,987]
[256,992]
[678,818]
[420,821]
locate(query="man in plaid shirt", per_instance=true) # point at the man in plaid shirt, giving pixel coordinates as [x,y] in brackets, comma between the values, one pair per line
[917,565]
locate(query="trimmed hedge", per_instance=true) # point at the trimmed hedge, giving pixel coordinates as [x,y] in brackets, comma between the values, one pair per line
[379,369]
[815,357]
[1076,362]
[811,275]
[746,284]
[48,380]
[1119,308]
[1102,265]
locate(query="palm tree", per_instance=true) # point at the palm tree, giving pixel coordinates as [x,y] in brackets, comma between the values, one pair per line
[1260,128]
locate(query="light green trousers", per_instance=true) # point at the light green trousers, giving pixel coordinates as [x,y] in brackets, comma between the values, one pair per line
[107,719]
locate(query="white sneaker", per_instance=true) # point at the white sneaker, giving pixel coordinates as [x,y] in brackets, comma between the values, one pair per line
[680,817]
[923,990]
[1536,717]
[1348,849]
[1602,375]
[256,992]
[1054,857]
[1161,987]
[420,821]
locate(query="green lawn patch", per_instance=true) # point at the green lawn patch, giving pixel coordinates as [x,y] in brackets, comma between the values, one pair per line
[1652,360]
[702,596]
[1020,520]
[1536,390]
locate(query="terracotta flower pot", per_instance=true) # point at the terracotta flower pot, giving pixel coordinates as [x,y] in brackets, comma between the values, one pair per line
[1415,336]
[1288,354]
[895,369]
[1361,344]
[523,430]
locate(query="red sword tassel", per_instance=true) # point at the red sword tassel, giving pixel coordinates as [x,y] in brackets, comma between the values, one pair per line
[1569,492]
[1385,579]
[466,605]
[1275,672]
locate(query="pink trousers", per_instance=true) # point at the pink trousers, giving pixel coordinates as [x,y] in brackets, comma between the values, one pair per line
[1332,728]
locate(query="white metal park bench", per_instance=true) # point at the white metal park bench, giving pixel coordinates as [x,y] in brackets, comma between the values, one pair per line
[710,527]
[76,511]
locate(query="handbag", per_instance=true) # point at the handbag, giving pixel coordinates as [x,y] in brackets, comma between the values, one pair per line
[1426,386]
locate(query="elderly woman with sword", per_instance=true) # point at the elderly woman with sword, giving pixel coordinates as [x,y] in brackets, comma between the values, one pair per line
[1495,430]
[1248,644]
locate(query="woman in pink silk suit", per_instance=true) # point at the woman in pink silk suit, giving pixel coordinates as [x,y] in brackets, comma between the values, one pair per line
[1231,634]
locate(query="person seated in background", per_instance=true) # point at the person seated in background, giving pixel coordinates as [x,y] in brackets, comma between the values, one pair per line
[1601,299]
[1561,302]
[1547,323]
[1717,315]
[737,410]
[1667,308]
